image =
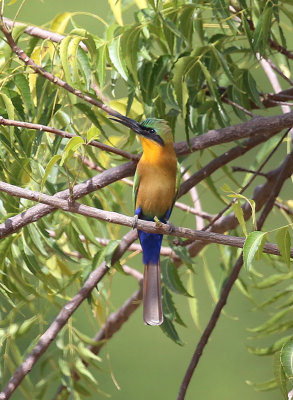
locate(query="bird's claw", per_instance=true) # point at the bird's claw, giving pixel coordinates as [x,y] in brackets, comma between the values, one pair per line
[157,221]
[134,222]
[171,226]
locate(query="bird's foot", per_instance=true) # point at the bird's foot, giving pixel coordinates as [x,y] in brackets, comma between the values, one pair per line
[134,222]
[171,226]
[157,221]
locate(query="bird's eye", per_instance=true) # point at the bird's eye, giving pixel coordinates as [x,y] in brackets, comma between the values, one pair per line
[152,130]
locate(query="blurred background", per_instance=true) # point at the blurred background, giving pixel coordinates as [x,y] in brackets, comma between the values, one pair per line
[140,362]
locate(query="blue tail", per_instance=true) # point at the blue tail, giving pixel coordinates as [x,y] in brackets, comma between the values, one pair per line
[151,246]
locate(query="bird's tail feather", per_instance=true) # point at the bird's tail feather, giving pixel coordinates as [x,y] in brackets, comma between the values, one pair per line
[152,295]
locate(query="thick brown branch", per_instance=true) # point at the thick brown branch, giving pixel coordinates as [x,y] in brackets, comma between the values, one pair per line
[116,218]
[33,214]
[221,160]
[254,127]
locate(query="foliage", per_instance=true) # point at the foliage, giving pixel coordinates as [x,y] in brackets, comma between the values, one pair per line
[193,63]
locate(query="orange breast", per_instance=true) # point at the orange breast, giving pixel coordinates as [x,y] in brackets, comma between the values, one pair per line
[157,180]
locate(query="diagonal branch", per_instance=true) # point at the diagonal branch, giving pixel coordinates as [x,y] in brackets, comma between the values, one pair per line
[67,135]
[51,333]
[33,214]
[53,78]
[281,177]
[62,318]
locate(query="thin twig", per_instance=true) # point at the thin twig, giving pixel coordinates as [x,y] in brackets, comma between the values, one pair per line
[249,171]
[260,196]
[283,207]
[67,135]
[279,71]
[265,161]
[221,160]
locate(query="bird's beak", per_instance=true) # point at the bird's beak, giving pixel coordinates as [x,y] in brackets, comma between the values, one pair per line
[140,129]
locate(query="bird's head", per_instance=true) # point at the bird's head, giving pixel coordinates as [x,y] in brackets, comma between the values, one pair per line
[154,129]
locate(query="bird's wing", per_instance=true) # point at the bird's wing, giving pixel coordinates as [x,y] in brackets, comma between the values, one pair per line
[178,179]
[135,188]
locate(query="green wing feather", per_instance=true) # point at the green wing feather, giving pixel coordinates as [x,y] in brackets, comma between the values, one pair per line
[135,188]
[178,180]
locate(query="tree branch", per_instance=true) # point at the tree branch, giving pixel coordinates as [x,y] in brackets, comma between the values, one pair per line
[53,330]
[221,160]
[67,135]
[256,126]
[116,218]
[64,315]
[281,177]
[113,324]
[53,78]
[33,214]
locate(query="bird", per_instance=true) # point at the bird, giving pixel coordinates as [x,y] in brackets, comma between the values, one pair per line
[155,188]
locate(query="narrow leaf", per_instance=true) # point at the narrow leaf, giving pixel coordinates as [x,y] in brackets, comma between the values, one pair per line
[284,242]
[251,246]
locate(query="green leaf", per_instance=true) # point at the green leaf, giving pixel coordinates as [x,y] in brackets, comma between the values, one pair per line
[75,241]
[171,278]
[49,167]
[169,329]
[169,308]
[240,216]
[72,146]
[265,351]
[129,46]
[22,84]
[92,134]
[84,108]
[83,370]
[251,87]
[101,65]
[107,252]
[192,301]
[226,188]
[10,111]
[263,386]
[252,243]
[280,375]
[274,279]
[73,51]
[222,61]
[64,58]
[286,358]
[116,57]
[213,289]
[183,65]
[284,242]
[26,325]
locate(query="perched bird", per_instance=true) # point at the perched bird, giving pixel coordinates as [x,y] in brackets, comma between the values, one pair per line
[156,183]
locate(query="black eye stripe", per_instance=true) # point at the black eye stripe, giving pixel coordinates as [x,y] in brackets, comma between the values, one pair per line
[151,130]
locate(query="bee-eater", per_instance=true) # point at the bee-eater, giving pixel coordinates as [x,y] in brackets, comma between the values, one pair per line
[156,183]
